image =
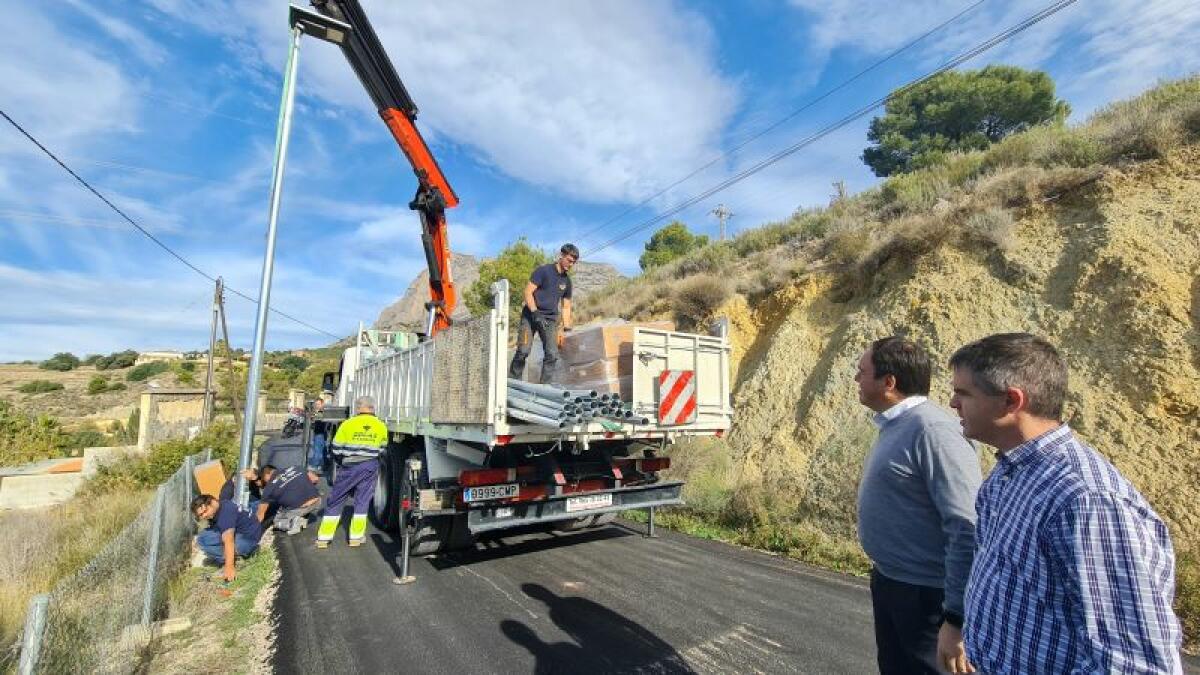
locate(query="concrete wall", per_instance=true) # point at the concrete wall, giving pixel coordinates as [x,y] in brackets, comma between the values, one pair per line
[28,492]
[94,458]
[169,413]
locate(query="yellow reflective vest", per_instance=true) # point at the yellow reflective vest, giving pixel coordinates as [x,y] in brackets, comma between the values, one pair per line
[359,438]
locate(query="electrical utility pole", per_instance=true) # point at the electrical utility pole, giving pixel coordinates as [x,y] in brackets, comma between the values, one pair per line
[723,214]
[209,393]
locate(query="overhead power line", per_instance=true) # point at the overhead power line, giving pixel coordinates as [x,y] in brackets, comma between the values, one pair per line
[146,232]
[1046,12]
[785,119]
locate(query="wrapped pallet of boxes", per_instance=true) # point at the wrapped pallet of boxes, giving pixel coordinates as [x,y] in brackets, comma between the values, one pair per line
[600,357]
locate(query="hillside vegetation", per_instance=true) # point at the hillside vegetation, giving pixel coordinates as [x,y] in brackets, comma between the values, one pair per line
[1089,235]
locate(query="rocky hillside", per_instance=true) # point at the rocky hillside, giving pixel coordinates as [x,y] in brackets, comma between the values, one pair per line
[409,311]
[1089,236]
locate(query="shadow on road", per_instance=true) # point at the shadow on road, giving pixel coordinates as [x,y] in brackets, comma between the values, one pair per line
[520,544]
[516,542]
[602,641]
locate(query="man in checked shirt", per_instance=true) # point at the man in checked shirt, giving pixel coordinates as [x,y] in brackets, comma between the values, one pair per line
[1073,572]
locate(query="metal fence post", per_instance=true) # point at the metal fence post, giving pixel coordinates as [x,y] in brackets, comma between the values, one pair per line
[187,481]
[152,565]
[31,641]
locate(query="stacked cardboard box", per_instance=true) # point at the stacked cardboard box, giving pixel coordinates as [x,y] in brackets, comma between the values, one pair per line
[601,357]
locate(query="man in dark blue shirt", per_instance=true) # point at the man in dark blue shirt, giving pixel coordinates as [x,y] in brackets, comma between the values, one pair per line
[231,531]
[292,492]
[549,287]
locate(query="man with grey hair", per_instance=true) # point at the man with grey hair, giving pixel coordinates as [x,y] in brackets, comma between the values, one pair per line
[356,446]
[1074,572]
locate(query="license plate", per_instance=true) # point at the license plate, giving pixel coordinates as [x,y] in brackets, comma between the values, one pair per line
[589,502]
[480,494]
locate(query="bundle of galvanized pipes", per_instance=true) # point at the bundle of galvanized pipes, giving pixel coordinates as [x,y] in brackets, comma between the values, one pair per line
[560,408]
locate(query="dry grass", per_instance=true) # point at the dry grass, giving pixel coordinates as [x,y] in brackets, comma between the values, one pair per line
[697,298]
[43,546]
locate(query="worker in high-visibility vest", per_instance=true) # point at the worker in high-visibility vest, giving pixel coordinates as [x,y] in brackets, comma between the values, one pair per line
[357,445]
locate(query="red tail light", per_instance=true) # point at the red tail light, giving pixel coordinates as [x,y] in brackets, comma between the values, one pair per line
[504,440]
[477,477]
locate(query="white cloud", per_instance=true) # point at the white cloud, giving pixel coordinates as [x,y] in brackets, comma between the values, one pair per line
[1097,51]
[135,40]
[596,102]
[39,64]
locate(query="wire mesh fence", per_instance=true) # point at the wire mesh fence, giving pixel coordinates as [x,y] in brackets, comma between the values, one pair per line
[99,620]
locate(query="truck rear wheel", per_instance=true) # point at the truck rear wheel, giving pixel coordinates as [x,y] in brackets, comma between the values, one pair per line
[430,535]
[390,485]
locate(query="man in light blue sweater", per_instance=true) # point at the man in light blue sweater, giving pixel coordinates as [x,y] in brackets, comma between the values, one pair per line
[916,513]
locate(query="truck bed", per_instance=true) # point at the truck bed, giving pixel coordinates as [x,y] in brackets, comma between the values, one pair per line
[454,386]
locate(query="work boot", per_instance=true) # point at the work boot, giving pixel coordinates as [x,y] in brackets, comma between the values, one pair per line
[326,531]
[358,529]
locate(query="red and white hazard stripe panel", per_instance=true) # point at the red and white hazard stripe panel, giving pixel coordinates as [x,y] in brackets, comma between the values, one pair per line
[677,397]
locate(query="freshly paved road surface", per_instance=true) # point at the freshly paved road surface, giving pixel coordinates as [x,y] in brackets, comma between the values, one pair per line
[604,600]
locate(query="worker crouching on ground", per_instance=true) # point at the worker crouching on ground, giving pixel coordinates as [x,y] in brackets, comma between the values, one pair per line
[356,445]
[231,531]
[292,493]
[549,287]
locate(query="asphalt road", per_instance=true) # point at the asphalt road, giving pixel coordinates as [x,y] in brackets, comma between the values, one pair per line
[603,600]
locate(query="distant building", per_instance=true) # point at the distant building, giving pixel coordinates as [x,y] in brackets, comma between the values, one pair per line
[150,357]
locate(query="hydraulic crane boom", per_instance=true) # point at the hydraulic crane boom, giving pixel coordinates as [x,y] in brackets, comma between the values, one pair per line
[434,194]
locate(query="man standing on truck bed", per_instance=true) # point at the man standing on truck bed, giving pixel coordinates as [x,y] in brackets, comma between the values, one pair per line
[548,287]
[356,445]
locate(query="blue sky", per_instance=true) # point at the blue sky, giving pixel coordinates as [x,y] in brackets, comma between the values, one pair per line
[549,118]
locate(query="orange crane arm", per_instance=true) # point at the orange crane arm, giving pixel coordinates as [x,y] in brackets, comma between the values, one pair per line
[434,194]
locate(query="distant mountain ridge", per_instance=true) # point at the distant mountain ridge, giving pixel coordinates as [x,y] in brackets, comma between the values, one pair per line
[409,310]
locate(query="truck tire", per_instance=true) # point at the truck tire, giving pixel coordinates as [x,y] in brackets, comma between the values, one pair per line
[430,535]
[390,485]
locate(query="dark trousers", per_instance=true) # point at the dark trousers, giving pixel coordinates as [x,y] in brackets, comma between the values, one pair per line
[548,332]
[907,620]
[357,479]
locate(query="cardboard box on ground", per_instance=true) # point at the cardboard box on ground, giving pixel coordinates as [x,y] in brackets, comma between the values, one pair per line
[596,356]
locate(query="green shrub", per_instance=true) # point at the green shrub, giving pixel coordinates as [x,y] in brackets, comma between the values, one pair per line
[62,361]
[117,360]
[190,366]
[1045,146]
[117,386]
[97,385]
[697,298]
[147,370]
[1151,125]
[292,362]
[920,190]
[711,259]
[994,228]
[27,438]
[91,359]
[39,387]
[164,459]
[768,236]
[88,438]
[186,377]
